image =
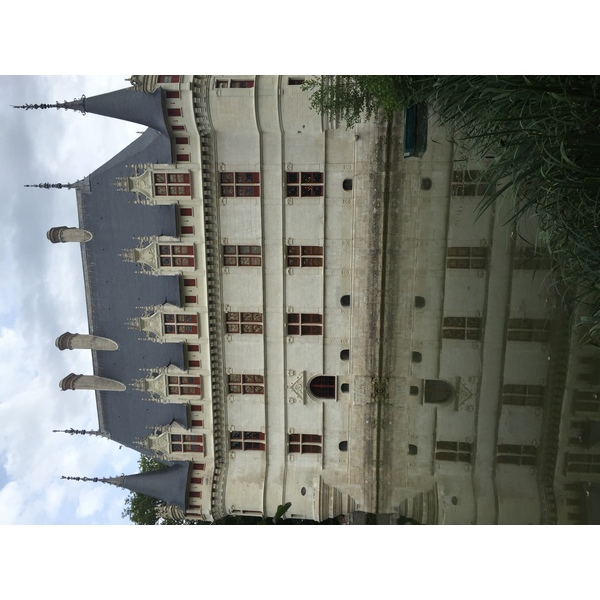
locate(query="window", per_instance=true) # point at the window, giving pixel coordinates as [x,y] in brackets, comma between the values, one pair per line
[584,401]
[305,443]
[183,158]
[246,384]
[437,391]
[453,451]
[187,443]
[526,257]
[323,386]
[242,256]
[528,330]
[345,387]
[426,183]
[222,83]
[461,328]
[242,83]
[413,390]
[174,112]
[198,466]
[189,282]
[178,127]
[305,256]
[343,446]
[197,423]
[172,255]
[193,363]
[173,94]
[186,212]
[515,454]
[347,185]
[295,80]
[244,322]
[246,440]
[182,140]
[304,324]
[416,357]
[240,184]
[303,184]
[412,449]
[169,78]
[419,302]
[198,480]
[187,229]
[345,354]
[182,385]
[468,183]
[180,324]
[582,463]
[523,395]
[459,257]
[345,300]
[191,299]
[197,407]
[169,184]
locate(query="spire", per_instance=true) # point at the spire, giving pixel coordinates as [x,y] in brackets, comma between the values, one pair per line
[126,104]
[168,484]
[75,104]
[57,186]
[72,431]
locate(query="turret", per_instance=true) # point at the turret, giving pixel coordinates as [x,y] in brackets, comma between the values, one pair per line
[68,234]
[90,382]
[76,341]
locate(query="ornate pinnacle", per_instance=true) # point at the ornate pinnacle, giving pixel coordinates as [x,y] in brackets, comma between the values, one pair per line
[72,431]
[77,104]
[57,186]
[94,479]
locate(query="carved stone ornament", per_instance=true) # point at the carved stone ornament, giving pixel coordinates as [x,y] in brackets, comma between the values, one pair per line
[299,387]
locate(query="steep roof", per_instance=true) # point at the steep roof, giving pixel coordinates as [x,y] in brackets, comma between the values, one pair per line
[115,291]
[126,104]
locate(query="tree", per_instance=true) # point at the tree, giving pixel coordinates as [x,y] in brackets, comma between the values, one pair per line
[144,510]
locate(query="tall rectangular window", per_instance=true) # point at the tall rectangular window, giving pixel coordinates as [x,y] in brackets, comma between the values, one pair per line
[528,330]
[187,229]
[582,463]
[468,183]
[523,395]
[174,112]
[304,324]
[241,256]
[305,256]
[240,184]
[182,385]
[246,384]
[244,322]
[461,328]
[169,78]
[464,257]
[172,184]
[453,451]
[304,183]
[516,454]
[175,255]
[173,94]
[182,140]
[183,158]
[241,83]
[295,80]
[527,257]
[246,440]
[187,443]
[304,443]
[586,401]
[180,324]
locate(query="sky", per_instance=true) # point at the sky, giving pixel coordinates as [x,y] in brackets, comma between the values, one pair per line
[42,296]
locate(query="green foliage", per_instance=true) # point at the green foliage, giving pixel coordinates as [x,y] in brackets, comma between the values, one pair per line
[143,510]
[542,133]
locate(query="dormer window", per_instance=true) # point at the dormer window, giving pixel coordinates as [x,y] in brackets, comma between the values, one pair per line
[180,324]
[180,385]
[176,255]
[172,184]
[187,443]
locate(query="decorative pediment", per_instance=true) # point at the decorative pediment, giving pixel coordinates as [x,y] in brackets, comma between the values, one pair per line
[299,386]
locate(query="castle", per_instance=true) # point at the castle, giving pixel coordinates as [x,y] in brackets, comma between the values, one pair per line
[285,310]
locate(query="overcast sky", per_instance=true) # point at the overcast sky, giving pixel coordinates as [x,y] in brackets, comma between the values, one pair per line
[43,296]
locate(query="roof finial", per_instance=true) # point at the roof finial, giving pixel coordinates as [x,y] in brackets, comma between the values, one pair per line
[57,186]
[72,431]
[76,104]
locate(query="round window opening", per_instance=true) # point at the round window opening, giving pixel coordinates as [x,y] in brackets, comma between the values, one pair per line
[303,491]
[344,446]
[454,500]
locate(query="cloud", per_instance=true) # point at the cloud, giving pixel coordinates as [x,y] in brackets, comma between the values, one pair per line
[42,295]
